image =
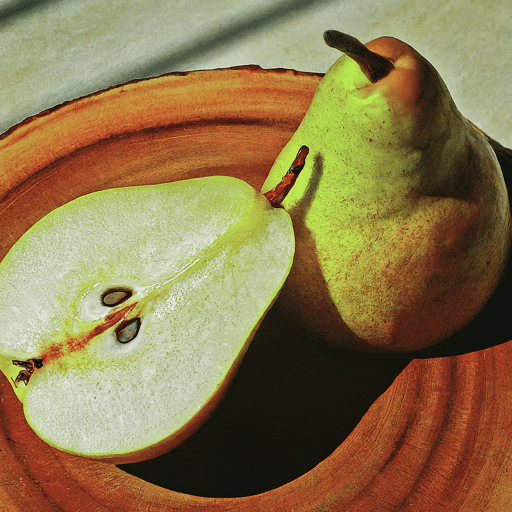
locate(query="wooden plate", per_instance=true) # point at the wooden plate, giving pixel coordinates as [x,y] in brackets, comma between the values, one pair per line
[304,427]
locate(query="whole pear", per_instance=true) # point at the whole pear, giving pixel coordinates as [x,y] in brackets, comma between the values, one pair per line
[401,213]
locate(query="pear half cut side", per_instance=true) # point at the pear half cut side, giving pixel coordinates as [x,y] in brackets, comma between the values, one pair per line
[140,302]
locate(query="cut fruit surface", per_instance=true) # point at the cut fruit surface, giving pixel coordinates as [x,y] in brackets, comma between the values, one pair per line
[140,302]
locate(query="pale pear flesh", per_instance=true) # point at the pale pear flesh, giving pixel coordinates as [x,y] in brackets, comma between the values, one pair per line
[198,262]
[401,213]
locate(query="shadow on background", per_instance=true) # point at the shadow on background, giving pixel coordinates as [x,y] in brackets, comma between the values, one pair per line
[228,34]
[13,11]
[195,45]
[213,40]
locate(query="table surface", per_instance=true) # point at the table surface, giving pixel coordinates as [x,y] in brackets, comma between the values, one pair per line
[52,51]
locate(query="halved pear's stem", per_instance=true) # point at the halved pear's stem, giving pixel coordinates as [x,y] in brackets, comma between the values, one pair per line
[373,65]
[276,195]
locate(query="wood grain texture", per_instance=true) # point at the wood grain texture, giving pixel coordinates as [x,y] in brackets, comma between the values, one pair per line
[304,427]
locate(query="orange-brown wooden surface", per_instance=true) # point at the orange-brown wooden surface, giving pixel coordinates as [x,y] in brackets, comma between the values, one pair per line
[304,427]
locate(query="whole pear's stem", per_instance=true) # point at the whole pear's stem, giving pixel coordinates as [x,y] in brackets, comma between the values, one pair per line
[276,195]
[373,65]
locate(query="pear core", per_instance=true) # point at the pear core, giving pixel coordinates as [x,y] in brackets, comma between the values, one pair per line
[189,270]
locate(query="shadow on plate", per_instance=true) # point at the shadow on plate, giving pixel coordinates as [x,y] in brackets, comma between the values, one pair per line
[292,403]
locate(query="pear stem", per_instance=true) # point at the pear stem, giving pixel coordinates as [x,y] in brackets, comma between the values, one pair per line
[373,65]
[276,195]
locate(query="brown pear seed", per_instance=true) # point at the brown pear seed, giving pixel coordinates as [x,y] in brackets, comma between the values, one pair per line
[128,330]
[114,297]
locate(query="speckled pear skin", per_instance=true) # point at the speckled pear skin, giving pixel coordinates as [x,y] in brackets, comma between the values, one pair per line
[401,213]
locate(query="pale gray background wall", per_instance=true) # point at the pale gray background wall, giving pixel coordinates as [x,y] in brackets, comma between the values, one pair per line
[55,50]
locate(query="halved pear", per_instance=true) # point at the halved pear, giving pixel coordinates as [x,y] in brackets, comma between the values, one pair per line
[125,313]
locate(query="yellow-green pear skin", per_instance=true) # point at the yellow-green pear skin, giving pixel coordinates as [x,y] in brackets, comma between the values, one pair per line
[401,213]
[125,313]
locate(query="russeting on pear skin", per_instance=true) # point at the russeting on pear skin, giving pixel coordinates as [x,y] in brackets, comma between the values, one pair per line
[401,214]
[125,313]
